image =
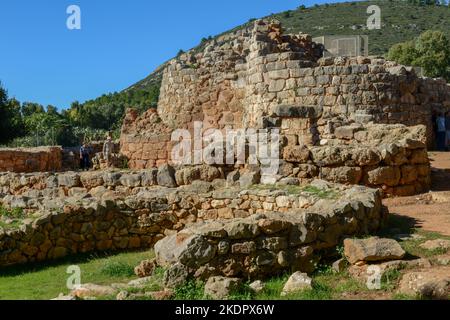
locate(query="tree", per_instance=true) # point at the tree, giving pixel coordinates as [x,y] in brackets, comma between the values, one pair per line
[433,54]
[30,108]
[52,110]
[403,53]
[430,51]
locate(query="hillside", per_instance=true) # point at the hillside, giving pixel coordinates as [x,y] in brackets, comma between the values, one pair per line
[401,21]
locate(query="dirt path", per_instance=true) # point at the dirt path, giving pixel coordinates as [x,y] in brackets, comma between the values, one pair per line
[431,211]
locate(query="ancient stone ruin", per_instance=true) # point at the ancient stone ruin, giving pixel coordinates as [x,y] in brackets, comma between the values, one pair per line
[351,130]
[347,120]
[31,159]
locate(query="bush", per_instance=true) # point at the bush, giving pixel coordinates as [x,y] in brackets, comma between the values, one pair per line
[192,290]
[430,51]
[15,213]
[117,269]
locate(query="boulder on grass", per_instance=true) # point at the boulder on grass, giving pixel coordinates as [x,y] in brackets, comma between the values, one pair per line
[92,290]
[440,244]
[297,282]
[145,268]
[372,249]
[257,286]
[220,288]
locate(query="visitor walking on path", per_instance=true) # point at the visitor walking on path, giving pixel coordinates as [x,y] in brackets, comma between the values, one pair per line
[84,157]
[447,128]
[108,147]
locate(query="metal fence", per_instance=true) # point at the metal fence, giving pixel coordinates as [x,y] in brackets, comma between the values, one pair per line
[350,46]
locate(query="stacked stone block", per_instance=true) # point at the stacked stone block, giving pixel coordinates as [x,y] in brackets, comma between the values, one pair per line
[31,159]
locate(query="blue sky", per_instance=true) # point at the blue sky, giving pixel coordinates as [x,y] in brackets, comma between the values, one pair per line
[120,42]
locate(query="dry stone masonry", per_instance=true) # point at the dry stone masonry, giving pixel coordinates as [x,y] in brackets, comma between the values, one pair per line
[352,130]
[270,242]
[69,219]
[30,159]
[259,77]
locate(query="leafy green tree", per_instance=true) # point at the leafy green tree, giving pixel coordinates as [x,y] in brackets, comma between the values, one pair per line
[30,108]
[430,51]
[403,53]
[52,110]
[30,124]
[11,125]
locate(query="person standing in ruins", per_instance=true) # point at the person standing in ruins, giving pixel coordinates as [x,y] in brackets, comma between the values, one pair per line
[108,147]
[447,128]
[84,157]
[440,132]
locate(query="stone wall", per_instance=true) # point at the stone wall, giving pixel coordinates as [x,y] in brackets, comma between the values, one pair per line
[113,220]
[209,87]
[392,158]
[241,79]
[71,155]
[31,159]
[269,243]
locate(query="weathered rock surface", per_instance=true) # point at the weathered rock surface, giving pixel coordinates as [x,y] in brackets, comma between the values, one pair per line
[257,286]
[166,176]
[372,249]
[221,288]
[436,244]
[339,265]
[433,283]
[297,282]
[175,276]
[92,290]
[271,242]
[363,273]
[145,268]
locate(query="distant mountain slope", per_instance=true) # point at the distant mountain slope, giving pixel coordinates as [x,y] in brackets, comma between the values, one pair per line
[401,21]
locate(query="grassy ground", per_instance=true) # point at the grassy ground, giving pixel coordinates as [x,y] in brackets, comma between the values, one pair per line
[47,280]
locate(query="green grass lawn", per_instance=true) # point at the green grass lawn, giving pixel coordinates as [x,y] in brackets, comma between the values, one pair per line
[47,280]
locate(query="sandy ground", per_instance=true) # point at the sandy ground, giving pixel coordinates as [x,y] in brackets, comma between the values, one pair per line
[430,211]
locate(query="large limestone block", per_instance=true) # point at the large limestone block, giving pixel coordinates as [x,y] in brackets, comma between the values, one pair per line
[69,180]
[329,155]
[298,154]
[433,283]
[91,180]
[372,249]
[297,282]
[190,250]
[389,176]
[348,175]
[221,288]
[166,176]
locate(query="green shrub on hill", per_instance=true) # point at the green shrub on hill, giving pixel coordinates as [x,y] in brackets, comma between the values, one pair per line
[430,51]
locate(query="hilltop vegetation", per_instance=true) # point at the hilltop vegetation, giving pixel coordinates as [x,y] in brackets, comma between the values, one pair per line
[401,21]
[30,124]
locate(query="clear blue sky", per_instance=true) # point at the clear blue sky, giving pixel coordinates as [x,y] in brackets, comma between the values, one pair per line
[120,42]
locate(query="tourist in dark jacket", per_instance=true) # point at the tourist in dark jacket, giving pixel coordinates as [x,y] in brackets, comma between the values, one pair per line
[440,132]
[447,128]
[84,157]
